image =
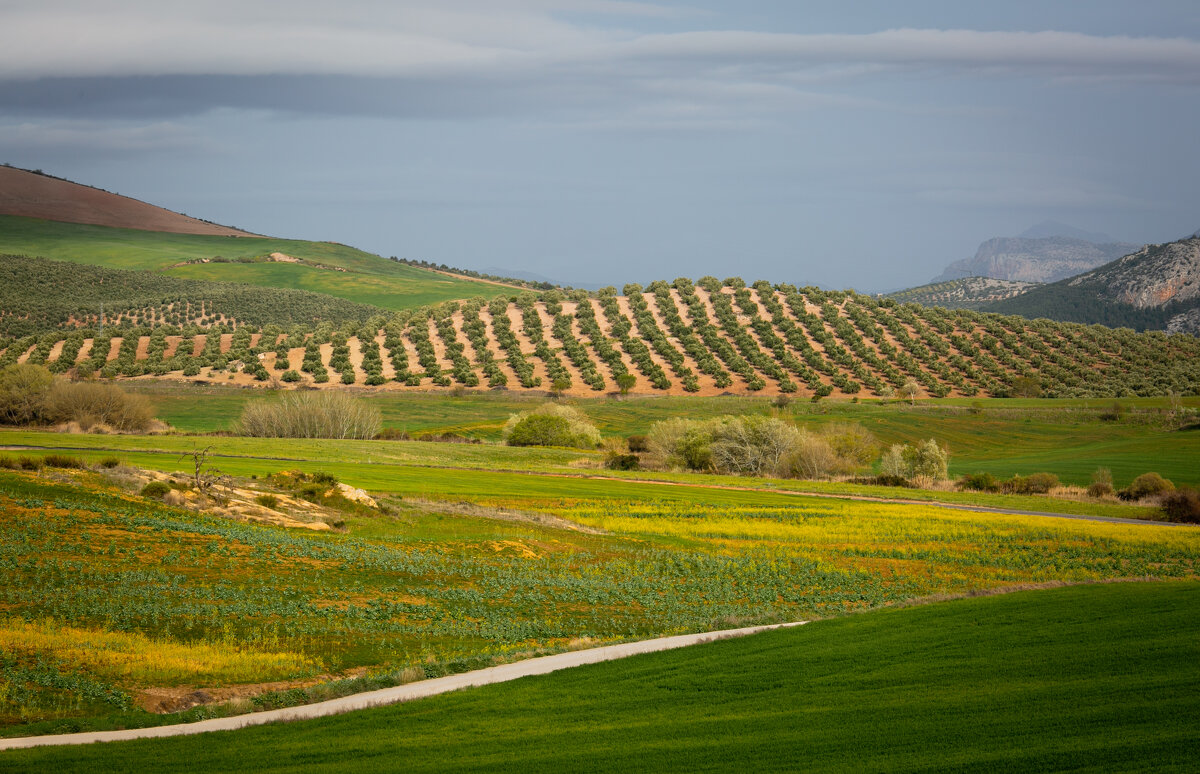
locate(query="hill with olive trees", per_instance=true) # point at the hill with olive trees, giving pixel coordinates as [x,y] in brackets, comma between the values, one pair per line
[698,338]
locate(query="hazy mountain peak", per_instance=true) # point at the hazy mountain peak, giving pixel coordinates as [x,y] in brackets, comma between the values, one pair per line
[1052,228]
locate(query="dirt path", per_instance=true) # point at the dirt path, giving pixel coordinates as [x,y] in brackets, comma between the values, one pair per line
[419,690]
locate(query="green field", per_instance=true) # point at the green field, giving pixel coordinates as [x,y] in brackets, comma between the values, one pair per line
[1066,437]
[1096,678]
[367,279]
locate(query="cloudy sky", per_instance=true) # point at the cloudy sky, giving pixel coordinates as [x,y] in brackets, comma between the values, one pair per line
[846,143]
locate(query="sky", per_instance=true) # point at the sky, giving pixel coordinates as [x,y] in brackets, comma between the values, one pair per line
[848,143]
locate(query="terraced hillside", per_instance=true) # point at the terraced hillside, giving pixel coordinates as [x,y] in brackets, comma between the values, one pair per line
[679,338]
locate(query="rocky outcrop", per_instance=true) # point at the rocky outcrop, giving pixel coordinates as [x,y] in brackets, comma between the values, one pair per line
[1188,322]
[1155,276]
[1047,259]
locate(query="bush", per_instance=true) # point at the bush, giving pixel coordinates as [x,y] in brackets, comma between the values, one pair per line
[110,462]
[95,403]
[156,489]
[979,482]
[551,424]
[63,461]
[755,446]
[23,392]
[1036,483]
[267,500]
[392,434]
[290,376]
[310,415]
[1146,485]
[1182,505]
[637,444]
[1101,485]
[925,460]
[618,461]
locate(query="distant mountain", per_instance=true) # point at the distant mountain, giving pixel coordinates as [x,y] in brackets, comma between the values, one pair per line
[1052,228]
[1044,259]
[965,293]
[38,195]
[1156,287]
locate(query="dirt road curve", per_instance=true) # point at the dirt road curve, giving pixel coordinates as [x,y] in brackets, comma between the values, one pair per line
[419,690]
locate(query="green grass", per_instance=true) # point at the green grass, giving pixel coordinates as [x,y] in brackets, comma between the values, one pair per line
[1006,437]
[414,468]
[367,278]
[1096,678]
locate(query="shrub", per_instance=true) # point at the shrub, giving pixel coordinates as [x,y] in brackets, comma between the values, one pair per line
[925,460]
[1101,485]
[1146,485]
[23,392]
[755,446]
[1182,505]
[979,482]
[310,415]
[637,444]
[63,461]
[110,462]
[290,376]
[617,461]
[29,463]
[1036,483]
[811,457]
[551,424]
[95,403]
[267,500]
[156,489]
[392,434]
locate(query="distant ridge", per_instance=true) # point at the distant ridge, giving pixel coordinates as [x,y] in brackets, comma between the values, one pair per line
[35,195]
[1052,228]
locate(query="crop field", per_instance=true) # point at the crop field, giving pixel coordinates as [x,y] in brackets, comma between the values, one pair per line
[1040,680]
[325,267]
[685,339]
[473,563]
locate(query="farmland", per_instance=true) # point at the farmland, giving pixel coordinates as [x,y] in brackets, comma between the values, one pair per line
[705,339]
[446,578]
[1038,680]
[323,267]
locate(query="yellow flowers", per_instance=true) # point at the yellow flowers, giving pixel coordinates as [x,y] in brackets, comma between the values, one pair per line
[140,660]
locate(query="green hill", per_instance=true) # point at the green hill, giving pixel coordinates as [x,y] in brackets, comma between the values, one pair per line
[321,267]
[1097,678]
[37,295]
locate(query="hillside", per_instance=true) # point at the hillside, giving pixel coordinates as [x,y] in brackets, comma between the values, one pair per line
[35,195]
[679,338]
[1156,287]
[1043,259]
[320,267]
[965,293]
[37,295]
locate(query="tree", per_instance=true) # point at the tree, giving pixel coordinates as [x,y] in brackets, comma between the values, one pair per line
[910,389]
[625,382]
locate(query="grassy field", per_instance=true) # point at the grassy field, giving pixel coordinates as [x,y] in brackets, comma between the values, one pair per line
[1063,679]
[1066,437]
[462,571]
[366,278]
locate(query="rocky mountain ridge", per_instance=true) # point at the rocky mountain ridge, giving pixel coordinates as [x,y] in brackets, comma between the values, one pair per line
[1039,260]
